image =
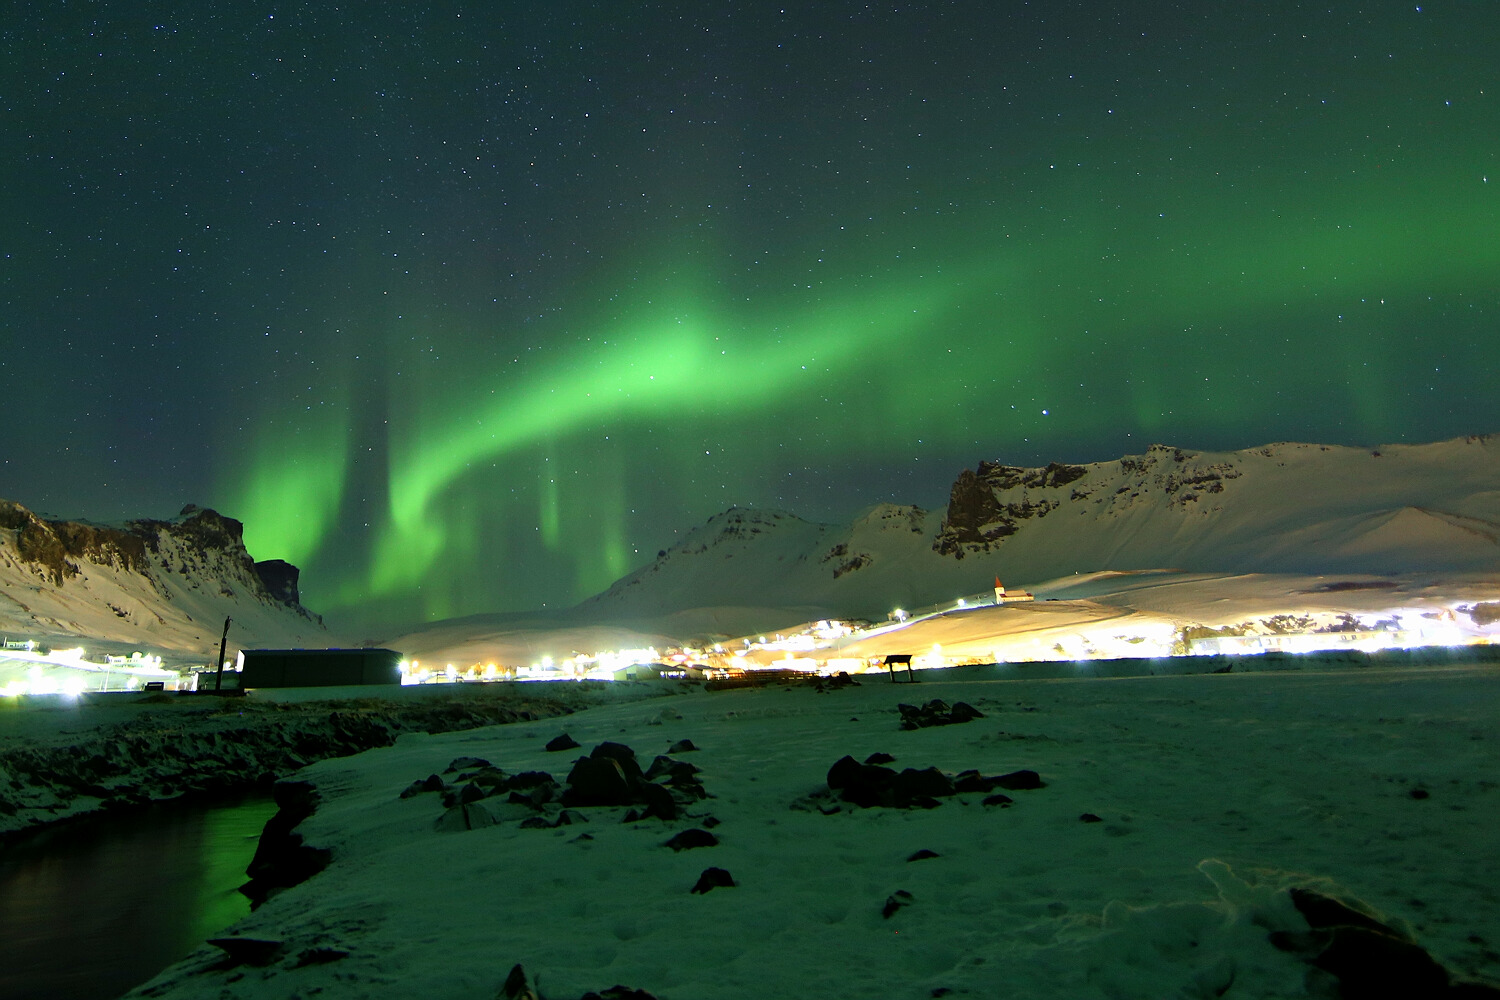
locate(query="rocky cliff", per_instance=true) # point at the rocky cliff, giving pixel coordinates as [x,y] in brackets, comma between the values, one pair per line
[155,584]
[1279,508]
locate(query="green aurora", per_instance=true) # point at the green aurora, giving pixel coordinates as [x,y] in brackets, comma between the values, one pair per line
[465,309]
[1224,315]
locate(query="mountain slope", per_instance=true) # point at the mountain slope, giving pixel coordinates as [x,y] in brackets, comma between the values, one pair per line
[156,585]
[1281,508]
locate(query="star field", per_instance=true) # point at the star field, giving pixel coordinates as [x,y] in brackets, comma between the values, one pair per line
[470,307]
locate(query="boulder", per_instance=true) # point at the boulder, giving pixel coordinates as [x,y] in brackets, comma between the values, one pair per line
[598,781]
[691,838]
[714,878]
[465,816]
[1019,781]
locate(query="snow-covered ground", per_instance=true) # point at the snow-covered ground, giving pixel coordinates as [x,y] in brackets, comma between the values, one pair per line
[1214,795]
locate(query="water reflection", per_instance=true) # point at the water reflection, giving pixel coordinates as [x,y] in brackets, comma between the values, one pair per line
[87,913]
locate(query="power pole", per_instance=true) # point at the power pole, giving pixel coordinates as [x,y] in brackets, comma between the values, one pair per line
[223,640]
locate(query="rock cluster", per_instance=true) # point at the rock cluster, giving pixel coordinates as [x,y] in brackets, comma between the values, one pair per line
[608,776]
[516,987]
[937,713]
[872,784]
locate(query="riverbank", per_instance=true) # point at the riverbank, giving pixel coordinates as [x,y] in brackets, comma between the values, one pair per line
[63,758]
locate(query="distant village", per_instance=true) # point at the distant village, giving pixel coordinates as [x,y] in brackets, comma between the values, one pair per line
[824,647]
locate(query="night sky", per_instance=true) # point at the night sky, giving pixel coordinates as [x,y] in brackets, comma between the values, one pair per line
[467,307]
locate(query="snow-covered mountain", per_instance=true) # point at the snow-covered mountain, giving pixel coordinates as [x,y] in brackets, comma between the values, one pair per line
[158,585]
[1281,508]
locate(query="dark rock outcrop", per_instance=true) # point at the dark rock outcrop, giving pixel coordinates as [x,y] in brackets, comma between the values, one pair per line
[281,859]
[869,785]
[714,878]
[689,839]
[280,579]
[1370,959]
[937,713]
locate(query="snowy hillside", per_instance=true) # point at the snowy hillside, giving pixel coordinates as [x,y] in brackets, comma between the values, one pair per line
[1282,508]
[158,585]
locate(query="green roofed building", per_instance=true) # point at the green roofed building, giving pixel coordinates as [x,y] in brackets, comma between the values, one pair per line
[272,668]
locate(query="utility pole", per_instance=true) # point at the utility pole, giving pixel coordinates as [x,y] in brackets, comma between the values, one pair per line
[223,640]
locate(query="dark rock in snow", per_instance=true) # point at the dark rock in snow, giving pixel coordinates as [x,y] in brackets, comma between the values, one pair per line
[516,987]
[682,746]
[1091,818]
[619,993]
[879,758]
[868,785]
[675,771]
[937,713]
[530,779]
[537,796]
[1019,781]
[923,855]
[466,764]
[465,816]
[912,784]
[281,859]
[658,800]
[619,752]
[894,902]
[1320,910]
[319,956]
[711,821]
[842,771]
[567,817]
[1370,959]
[493,778]
[1371,964]
[431,783]
[598,781]
[560,743]
[714,878]
[1420,793]
[689,839]
[248,951]
[997,800]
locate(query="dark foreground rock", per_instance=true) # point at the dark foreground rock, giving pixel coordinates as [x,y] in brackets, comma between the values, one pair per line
[869,785]
[937,713]
[281,859]
[1370,959]
[714,878]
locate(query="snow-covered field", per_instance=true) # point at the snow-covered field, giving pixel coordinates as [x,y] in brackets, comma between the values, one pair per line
[1214,795]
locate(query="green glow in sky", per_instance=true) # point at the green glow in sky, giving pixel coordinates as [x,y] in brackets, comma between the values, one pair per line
[1189,320]
[465,314]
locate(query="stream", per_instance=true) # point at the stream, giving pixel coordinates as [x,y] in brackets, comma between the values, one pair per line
[90,910]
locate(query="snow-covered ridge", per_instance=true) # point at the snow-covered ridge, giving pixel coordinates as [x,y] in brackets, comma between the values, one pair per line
[1281,508]
[164,585]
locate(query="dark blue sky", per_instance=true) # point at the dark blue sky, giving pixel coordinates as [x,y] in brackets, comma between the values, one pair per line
[468,307]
